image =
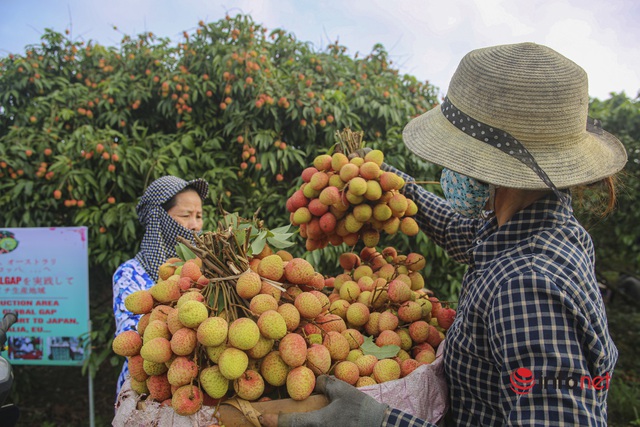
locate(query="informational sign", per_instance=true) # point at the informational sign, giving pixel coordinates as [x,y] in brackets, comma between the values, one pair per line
[44,278]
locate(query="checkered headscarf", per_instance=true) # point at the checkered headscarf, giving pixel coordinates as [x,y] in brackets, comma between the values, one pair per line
[161,231]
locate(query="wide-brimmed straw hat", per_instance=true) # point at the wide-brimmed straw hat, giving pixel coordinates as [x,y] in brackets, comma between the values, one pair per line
[506,101]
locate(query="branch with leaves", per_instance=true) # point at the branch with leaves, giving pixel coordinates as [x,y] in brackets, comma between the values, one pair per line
[225,254]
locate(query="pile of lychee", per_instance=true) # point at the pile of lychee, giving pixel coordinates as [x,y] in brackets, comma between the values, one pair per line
[345,200]
[186,353]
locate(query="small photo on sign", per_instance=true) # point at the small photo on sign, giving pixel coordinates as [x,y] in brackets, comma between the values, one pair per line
[65,348]
[25,348]
[8,242]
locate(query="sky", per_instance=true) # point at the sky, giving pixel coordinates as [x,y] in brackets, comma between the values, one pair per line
[424,38]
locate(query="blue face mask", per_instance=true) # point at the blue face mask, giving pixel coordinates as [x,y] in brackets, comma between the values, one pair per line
[465,195]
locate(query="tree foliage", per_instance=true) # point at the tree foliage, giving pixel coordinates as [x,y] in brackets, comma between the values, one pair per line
[85,128]
[617,237]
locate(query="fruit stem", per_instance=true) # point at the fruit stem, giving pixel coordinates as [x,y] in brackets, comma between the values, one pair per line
[350,141]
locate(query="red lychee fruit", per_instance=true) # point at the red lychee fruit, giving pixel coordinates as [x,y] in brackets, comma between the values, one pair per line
[271,267]
[445,317]
[337,344]
[347,372]
[127,343]
[293,350]
[386,370]
[300,383]
[187,400]
[159,387]
[318,359]
[249,386]
[298,271]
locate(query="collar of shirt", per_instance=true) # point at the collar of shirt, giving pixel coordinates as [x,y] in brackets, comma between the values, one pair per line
[546,213]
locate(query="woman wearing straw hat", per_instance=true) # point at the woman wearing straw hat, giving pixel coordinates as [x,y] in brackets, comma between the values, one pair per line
[170,207]
[530,344]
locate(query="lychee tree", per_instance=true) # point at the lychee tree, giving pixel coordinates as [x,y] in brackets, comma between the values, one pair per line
[84,128]
[616,237]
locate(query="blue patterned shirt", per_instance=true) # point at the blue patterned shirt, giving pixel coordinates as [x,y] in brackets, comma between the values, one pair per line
[530,343]
[127,279]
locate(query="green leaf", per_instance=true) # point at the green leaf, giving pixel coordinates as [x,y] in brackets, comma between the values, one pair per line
[184,252]
[179,251]
[184,166]
[176,150]
[241,236]
[283,229]
[187,142]
[279,244]
[283,236]
[315,257]
[18,188]
[258,244]
[110,217]
[384,352]
[231,220]
[130,228]
[244,226]
[273,165]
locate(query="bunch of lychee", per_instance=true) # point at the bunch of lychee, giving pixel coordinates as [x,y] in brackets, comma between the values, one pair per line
[345,200]
[161,351]
[382,295]
[186,353]
[379,295]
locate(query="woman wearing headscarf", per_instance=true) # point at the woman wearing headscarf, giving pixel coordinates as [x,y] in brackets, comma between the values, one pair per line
[514,138]
[170,207]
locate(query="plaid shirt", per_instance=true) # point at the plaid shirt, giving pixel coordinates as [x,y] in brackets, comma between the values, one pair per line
[529,300]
